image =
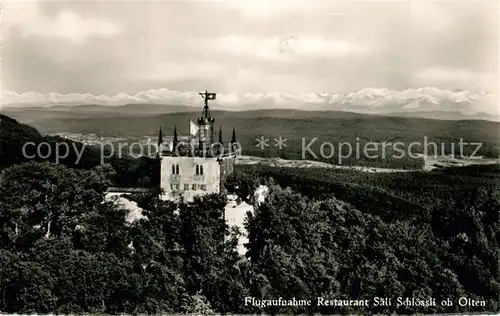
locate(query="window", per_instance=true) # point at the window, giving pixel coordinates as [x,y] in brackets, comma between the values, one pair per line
[177,185]
[193,187]
[171,186]
[174,186]
[199,170]
[186,187]
[202,187]
[175,169]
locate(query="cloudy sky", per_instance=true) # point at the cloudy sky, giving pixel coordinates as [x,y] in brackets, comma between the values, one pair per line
[249,46]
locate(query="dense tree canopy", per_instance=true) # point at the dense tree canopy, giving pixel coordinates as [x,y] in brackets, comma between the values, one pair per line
[320,233]
[64,249]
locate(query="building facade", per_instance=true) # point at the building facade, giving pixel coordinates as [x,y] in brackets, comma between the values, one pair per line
[187,177]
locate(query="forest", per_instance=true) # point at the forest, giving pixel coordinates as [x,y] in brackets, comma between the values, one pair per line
[335,234]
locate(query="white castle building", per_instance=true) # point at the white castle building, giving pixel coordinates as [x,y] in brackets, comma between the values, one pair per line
[194,167]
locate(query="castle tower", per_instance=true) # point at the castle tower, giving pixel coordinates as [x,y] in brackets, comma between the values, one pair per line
[183,175]
[206,123]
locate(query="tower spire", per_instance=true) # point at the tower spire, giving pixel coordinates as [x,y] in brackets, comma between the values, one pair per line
[160,137]
[175,141]
[220,135]
[233,138]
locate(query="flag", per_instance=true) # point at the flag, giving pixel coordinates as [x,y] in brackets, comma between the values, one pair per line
[193,128]
[211,96]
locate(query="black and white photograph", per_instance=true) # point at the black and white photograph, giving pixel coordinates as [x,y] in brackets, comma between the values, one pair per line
[252,157]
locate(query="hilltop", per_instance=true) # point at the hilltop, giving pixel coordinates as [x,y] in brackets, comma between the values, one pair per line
[14,135]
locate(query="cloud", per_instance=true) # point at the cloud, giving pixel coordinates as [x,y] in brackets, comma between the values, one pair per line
[440,74]
[182,70]
[67,25]
[323,48]
[283,48]
[248,46]
[265,9]
[70,26]
[430,16]
[458,78]
[370,100]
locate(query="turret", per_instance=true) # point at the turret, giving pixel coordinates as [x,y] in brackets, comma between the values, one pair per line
[233,142]
[175,142]
[220,136]
[233,137]
[160,137]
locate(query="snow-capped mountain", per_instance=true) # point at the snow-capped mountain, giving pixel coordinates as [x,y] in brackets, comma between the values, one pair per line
[367,100]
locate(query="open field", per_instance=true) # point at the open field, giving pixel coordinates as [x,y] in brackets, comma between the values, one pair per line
[431,163]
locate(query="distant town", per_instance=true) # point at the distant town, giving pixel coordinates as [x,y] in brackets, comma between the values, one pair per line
[135,145]
[93,139]
[88,139]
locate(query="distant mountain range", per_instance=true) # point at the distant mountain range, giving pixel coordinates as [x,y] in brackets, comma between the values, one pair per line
[425,102]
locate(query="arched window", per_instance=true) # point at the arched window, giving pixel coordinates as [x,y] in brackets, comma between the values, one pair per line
[201,170]
[197,170]
[173,169]
[177,169]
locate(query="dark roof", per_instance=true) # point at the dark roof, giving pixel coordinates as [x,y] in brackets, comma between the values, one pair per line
[130,190]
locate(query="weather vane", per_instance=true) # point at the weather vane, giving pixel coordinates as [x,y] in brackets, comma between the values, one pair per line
[207,96]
